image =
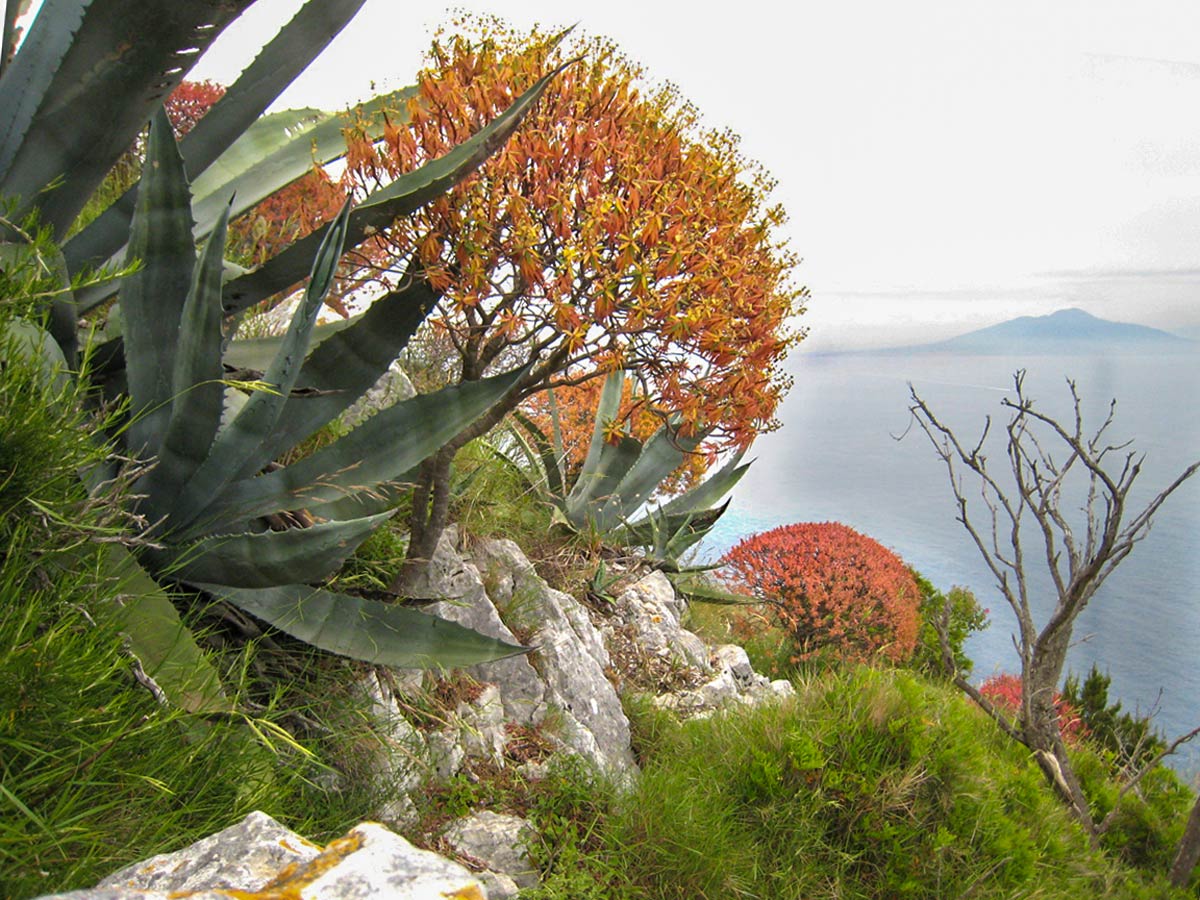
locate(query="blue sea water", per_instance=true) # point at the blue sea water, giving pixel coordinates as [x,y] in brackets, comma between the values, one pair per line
[836,458]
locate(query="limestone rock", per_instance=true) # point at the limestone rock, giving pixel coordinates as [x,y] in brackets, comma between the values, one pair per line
[570,656]
[655,611]
[499,886]
[497,840]
[521,690]
[369,862]
[244,857]
[402,760]
[446,753]
[482,726]
[733,659]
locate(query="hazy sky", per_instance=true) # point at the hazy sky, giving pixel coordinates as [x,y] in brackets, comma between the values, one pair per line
[945,164]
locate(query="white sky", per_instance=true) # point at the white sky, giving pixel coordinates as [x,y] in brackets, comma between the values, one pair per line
[946,165]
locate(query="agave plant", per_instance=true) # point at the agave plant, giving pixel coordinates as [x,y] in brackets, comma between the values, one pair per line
[74,98]
[619,478]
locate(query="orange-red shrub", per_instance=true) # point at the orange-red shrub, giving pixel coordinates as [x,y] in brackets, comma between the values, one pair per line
[1004,691]
[832,588]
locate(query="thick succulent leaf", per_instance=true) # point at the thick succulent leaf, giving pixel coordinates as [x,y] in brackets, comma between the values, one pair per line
[551,459]
[596,487]
[32,342]
[381,633]
[283,58]
[19,256]
[152,299]
[164,646]
[699,589]
[380,209]
[199,396]
[288,54]
[83,85]
[345,365]
[255,354]
[278,149]
[238,450]
[274,152]
[712,489]
[672,533]
[661,455]
[269,558]
[381,498]
[380,450]
[606,412]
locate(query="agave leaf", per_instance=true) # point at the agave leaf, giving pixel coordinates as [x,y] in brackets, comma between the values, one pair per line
[380,450]
[278,150]
[83,85]
[672,531]
[697,588]
[596,487]
[283,58]
[164,646]
[660,456]
[549,455]
[274,152]
[606,412]
[288,54]
[404,195]
[33,342]
[256,354]
[199,396]
[345,365]
[381,498]
[152,299]
[237,451]
[269,558]
[712,489]
[380,633]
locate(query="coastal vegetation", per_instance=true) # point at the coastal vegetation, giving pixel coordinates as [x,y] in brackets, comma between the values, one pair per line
[198,557]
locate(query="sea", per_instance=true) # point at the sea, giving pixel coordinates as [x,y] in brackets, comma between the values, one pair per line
[849,451]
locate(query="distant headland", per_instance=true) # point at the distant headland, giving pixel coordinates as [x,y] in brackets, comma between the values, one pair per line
[1065,332]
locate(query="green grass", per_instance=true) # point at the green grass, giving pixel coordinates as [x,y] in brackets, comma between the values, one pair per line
[94,773]
[872,784]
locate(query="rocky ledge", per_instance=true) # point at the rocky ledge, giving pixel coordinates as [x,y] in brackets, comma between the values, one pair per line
[563,697]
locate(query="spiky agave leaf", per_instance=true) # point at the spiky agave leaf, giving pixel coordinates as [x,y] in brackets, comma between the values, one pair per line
[296,45]
[82,86]
[152,299]
[237,451]
[381,633]
[380,450]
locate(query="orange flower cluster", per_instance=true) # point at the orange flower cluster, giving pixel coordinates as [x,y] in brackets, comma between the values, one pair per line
[1005,690]
[609,230]
[188,103]
[832,589]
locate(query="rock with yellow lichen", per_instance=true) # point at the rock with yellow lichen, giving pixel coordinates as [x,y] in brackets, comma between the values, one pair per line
[369,862]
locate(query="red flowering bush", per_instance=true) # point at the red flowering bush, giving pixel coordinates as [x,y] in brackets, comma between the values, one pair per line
[1004,691]
[832,589]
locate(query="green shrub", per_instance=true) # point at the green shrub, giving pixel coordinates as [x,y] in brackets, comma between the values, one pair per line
[963,616]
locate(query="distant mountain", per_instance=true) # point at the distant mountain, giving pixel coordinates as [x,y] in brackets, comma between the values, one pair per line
[1066,332]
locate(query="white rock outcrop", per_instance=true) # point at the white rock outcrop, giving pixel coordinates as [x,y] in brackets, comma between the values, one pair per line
[258,855]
